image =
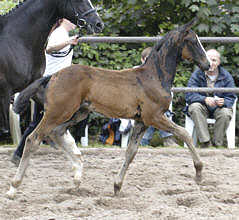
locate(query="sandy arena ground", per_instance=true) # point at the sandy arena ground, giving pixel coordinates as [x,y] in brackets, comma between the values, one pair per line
[159,185]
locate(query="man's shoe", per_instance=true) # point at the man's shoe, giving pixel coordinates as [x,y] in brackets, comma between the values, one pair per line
[144,142]
[169,142]
[15,159]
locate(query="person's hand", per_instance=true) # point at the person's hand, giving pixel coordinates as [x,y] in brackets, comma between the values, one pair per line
[74,40]
[219,101]
[210,101]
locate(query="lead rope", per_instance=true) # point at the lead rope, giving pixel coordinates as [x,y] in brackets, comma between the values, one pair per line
[81,23]
[65,53]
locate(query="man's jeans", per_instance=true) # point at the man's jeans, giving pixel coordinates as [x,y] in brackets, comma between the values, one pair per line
[199,114]
[150,131]
[149,134]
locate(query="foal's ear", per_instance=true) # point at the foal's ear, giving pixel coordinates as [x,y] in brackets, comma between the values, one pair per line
[189,25]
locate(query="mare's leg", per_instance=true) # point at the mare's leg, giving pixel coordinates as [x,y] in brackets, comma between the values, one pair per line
[4,107]
[130,153]
[162,122]
[67,142]
[31,145]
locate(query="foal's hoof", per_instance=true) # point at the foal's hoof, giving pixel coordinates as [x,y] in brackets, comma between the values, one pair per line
[199,168]
[77,176]
[116,189]
[77,182]
[11,193]
[198,178]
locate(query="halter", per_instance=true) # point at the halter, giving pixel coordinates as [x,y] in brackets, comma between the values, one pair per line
[81,23]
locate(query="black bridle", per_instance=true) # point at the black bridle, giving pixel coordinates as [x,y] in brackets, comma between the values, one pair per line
[81,23]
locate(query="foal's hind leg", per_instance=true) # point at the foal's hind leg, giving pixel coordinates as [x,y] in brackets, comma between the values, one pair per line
[31,145]
[165,124]
[67,142]
[130,153]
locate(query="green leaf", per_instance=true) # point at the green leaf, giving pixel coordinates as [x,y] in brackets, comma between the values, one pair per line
[212,2]
[235,59]
[216,29]
[186,2]
[234,27]
[203,27]
[194,8]
[235,9]
[236,48]
[132,2]
[204,12]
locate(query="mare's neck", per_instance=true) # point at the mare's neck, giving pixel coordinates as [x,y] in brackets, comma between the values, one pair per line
[32,21]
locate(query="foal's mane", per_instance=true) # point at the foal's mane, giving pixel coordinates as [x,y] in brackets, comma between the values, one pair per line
[157,46]
[14,8]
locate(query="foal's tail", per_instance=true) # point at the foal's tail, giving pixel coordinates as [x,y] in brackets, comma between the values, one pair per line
[35,90]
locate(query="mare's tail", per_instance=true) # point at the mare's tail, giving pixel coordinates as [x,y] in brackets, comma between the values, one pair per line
[38,86]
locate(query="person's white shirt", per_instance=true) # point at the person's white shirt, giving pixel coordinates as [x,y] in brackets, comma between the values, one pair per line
[54,64]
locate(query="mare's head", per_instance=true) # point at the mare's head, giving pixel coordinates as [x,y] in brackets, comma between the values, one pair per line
[192,48]
[81,13]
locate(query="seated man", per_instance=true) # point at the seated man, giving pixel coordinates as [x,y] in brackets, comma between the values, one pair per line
[216,105]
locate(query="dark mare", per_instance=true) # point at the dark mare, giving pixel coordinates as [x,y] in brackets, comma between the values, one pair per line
[142,94]
[23,35]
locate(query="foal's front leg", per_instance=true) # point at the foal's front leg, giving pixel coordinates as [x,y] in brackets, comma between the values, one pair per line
[162,122]
[130,153]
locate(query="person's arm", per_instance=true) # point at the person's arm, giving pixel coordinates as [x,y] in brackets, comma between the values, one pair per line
[229,97]
[57,47]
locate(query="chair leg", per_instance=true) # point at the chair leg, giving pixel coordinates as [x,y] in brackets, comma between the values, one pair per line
[230,134]
[84,140]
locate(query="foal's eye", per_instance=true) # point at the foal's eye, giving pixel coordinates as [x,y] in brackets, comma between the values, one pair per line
[191,40]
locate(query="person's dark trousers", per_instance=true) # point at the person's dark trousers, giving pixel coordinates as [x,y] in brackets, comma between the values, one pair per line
[37,116]
[78,130]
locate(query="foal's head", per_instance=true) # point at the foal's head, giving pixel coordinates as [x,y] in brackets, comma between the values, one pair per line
[192,48]
[182,43]
[81,13]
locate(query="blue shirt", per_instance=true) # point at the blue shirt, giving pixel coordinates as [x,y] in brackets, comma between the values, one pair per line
[198,79]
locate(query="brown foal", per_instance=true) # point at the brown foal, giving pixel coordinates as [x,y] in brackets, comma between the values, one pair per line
[142,94]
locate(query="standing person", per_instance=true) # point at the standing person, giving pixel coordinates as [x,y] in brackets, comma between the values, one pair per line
[58,56]
[218,105]
[168,140]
